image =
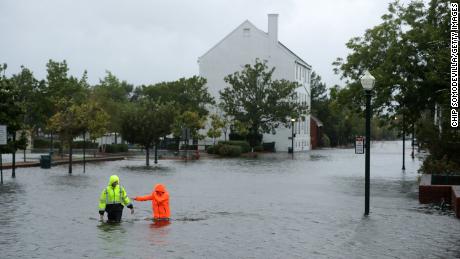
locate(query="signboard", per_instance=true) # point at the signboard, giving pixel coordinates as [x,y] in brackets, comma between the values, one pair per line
[3,135]
[359,145]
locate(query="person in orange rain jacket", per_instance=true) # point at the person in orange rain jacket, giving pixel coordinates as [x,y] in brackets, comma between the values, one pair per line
[160,202]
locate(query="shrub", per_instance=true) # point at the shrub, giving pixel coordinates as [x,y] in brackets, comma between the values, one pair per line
[116,148]
[258,148]
[229,150]
[244,145]
[45,143]
[80,144]
[269,146]
[172,146]
[439,166]
[212,149]
[325,141]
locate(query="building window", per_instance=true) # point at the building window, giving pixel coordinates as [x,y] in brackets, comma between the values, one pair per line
[246,32]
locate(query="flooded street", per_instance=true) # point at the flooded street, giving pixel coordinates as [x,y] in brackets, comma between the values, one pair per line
[269,207]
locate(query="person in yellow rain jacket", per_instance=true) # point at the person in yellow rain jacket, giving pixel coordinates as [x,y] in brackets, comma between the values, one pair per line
[113,199]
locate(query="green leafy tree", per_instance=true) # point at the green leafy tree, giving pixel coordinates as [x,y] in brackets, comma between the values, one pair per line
[217,124]
[189,94]
[191,121]
[256,100]
[408,54]
[113,95]
[145,121]
[11,113]
[77,119]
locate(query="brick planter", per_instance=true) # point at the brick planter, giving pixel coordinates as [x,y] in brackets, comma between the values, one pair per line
[440,188]
[456,200]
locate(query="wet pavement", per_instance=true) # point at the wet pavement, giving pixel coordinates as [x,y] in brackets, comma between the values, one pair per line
[269,207]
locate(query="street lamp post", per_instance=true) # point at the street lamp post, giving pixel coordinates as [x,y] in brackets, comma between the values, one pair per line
[404,143]
[292,137]
[367,81]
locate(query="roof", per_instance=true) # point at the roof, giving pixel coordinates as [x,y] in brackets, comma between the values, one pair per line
[290,51]
[318,122]
[260,31]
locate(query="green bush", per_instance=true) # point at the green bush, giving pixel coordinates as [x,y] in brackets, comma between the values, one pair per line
[172,146]
[116,148]
[325,141]
[80,144]
[45,143]
[212,149]
[258,148]
[432,165]
[229,150]
[269,146]
[244,145]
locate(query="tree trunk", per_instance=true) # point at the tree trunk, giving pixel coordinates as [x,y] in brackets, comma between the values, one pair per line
[147,155]
[84,152]
[156,153]
[70,157]
[24,155]
[13,169]
[116,138]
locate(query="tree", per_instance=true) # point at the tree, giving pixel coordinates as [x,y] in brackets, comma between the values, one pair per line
[217,124]
[76,119]
[408,55]
[191,121]
[189,94]
[113,95]
[258,101]
[62,90]
[11,113]
[145,121]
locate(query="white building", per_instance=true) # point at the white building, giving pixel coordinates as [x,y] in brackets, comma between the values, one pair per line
[242,46]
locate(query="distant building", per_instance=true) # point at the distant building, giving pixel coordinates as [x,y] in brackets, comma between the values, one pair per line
[243,46]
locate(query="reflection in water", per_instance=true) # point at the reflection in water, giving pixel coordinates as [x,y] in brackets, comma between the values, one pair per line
[114,236]
[159,232]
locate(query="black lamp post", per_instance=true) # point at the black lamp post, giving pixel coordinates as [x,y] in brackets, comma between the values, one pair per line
[292,137]
[404,143]
[367,82]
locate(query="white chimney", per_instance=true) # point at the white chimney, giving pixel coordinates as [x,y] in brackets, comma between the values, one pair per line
[273,28]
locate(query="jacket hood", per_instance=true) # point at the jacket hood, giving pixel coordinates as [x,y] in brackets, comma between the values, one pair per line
[113,178]
[160,188]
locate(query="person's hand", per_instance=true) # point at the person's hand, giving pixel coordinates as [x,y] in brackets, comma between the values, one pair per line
[101,217]
[132,211]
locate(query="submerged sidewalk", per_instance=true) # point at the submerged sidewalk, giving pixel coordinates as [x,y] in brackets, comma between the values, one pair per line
[60,161]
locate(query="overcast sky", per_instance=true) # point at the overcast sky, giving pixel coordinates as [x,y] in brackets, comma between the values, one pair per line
[145,42]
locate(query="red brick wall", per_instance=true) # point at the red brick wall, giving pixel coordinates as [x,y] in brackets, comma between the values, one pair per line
[434,193]
[314,134]
[456,200]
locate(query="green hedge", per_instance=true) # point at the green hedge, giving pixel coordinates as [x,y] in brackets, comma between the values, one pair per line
[79,144]
[229,150]
[212,149]
[116,148]
[45,143]
[244,145]
[258,148]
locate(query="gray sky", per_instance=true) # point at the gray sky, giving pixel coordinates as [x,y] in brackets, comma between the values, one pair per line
[146,42]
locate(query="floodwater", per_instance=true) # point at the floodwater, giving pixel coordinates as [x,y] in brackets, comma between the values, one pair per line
[269,207]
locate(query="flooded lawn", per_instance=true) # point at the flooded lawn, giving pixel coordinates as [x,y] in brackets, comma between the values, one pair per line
[270,207]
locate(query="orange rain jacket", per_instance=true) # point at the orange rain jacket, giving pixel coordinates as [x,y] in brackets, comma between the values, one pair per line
[160,202]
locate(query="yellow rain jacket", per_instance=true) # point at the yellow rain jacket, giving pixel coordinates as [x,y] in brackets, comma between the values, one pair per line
[112,195]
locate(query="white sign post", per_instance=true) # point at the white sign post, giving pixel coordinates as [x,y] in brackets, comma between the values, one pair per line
[3,141]
[359,145]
